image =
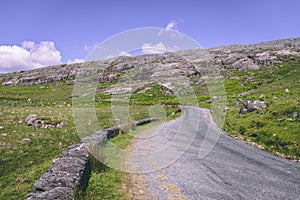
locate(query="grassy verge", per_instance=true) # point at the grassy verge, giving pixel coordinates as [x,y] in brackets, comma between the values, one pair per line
[108,183]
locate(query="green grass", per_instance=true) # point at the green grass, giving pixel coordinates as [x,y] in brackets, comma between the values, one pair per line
[23,162]
[106,182]
[274,128]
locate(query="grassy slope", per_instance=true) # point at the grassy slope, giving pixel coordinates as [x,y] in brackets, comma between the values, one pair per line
[22,162]
[274,128]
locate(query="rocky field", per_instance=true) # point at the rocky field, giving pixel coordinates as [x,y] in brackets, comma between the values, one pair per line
[258,97]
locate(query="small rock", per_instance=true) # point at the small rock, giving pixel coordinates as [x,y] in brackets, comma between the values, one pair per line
[295,115]
[225,109]
[61,124]
[26,140]
[30,119]
[243,111]
[213,98]
[286,90]
[238,102]
[30,101]
[141,191]
[4,134]
[251,105]
[33,134]
[290,119]
[1,127]
[48,126]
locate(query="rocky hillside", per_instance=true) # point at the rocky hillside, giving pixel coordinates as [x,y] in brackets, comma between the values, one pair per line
[262,105]
[240,57]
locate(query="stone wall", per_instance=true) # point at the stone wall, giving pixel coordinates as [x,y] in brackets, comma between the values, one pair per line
[71,171]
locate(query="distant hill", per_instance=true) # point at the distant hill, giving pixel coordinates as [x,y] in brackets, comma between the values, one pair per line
[240,57]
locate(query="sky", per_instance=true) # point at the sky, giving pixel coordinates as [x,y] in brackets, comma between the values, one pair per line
[38,33]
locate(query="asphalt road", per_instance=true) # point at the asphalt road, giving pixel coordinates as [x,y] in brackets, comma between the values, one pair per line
[231,170]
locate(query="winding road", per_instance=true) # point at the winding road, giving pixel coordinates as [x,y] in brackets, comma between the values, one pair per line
[231,170]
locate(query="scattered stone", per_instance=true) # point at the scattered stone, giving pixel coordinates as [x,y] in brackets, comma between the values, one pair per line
[30,101]
[33,120]
[225,109]
[213,98]
[61,124]
[244,94]
[54,160]
[4,134]
[48,126]
[30,119]
[1,127]
[33,134]
[26,140]
[286,90]
[252,105]
[295,115]
[238,102]
[243,110]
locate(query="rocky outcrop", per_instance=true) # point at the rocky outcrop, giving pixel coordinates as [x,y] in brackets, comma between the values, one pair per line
[252,105]
[70,173]
[33,120]
[240,57]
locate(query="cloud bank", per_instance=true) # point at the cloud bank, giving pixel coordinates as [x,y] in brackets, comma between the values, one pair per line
[158,48]
[76,60]
[148,48]
[28,56]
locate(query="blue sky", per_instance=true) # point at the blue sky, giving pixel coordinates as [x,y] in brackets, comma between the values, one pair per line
[36,33]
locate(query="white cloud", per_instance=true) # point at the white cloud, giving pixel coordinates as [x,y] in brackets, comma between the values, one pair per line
[148,48]
[119,53]
[28,56]
[124,53]
[76,60]
[172,26]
